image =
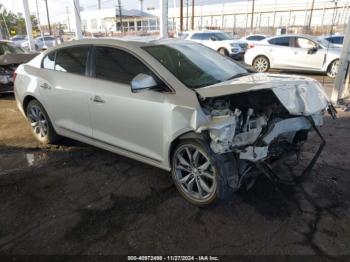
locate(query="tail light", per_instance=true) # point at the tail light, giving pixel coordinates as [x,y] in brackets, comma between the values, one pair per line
[14,76]
[251,45]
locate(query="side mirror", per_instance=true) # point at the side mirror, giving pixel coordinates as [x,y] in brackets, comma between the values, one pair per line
[212,38]
[142,81]
[312,50]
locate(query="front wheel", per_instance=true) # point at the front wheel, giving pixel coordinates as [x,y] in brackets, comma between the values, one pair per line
[261,64]
[223,51]
[40,123]
[333,69]
[198,174]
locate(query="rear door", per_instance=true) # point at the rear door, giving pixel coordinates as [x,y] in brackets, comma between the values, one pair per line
[280,51]
[64,84]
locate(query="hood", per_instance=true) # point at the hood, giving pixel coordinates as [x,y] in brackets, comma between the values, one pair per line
[16,58]
[299,95]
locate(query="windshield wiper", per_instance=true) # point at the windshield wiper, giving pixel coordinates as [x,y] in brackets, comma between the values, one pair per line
[236,76]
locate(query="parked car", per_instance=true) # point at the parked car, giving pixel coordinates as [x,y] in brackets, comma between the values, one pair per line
[253,39]
[336,40]
[10,57]
[174,104]
[41,43]
[294,52]
[19,39]
[219,41]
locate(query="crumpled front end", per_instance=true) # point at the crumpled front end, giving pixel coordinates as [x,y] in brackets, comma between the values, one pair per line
[264,125]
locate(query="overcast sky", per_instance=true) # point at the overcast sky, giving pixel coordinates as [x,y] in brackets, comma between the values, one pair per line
[58,8]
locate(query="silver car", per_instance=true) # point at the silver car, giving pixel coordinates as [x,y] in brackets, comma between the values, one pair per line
[294,52]
[41,43]
[177,105]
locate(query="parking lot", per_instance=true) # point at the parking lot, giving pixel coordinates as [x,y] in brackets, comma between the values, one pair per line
[71,198]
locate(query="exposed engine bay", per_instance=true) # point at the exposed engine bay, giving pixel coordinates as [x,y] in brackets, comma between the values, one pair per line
[256,127]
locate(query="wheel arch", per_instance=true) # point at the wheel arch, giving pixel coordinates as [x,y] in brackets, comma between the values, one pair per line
[26,101]
[224,48]
[186,135]
[330,62]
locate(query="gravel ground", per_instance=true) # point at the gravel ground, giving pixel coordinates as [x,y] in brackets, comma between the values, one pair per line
[75,199]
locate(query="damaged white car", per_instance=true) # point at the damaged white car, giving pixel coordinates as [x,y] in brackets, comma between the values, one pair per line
[177,105]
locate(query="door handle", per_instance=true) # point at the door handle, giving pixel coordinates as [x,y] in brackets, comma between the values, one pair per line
[45,86]
[98,99]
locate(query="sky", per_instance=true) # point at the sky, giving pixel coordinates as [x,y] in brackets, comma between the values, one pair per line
[58,8]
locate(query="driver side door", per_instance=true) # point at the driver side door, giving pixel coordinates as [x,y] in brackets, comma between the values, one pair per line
[132,122]
[307,54]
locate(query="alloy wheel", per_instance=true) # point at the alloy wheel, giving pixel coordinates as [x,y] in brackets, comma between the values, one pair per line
[261,64]
[194,173]
[38,121]
[332,72]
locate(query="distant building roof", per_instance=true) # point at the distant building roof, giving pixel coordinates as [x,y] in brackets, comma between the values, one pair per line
[134,13]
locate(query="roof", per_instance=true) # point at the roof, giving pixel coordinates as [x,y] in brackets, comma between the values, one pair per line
[134,12]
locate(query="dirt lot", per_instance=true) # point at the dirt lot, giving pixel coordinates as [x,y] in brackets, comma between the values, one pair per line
[75,199]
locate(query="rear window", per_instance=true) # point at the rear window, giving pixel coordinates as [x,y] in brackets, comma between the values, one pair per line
[72,59]
[336,40]
[49,61]
[282,41]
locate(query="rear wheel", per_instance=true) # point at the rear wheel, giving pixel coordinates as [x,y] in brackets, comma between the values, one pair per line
[198,175]
[261,64]
[40,123]
[333,69]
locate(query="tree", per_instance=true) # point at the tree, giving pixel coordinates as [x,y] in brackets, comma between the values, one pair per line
[11,23]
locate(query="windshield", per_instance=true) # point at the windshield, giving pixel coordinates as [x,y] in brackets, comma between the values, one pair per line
[220,36]
[8,48]
[195,65]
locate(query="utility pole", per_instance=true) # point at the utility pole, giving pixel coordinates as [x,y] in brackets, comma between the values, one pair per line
[37,14]
[68,21]
[48,17]
[99,4]
[77,19]
[192,20]
[163,25]
[28,25]
[252,20]
[181,15]
[310,18]
[120,16]
[186,15]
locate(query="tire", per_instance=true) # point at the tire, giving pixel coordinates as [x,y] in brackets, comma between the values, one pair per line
[40,123]
[333,69]
[261,64]
[202,177]
[223,51]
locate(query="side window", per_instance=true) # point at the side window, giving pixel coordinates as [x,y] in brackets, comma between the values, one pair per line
[282,41]
[72,59]
[118,66]
[49,61]
[206,36]
[304,43]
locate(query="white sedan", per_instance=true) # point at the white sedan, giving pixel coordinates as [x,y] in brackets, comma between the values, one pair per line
[218,41]
[177,105]
[294,52]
